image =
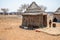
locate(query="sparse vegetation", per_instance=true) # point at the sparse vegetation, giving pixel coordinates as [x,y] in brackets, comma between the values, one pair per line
[9,30]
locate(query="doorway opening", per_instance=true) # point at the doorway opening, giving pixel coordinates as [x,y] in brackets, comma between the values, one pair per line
[45,20]
[55,20]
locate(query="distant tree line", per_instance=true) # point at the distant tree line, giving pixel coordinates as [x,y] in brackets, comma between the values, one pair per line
[21,9]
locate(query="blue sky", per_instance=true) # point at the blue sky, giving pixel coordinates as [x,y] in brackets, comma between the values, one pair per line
[13,5]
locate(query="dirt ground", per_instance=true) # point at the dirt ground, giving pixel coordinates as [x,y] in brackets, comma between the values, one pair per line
[9,30]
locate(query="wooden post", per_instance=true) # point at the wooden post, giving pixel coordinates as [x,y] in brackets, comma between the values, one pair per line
[42,18]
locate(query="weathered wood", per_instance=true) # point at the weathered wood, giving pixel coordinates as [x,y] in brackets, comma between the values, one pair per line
[35,20]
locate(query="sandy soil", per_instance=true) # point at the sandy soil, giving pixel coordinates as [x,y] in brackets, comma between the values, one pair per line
[9,30]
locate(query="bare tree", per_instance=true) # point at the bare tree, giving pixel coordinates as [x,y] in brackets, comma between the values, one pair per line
[43,8]
[23,7]
[5,10]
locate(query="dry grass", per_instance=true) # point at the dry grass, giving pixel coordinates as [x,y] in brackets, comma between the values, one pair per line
[9,30]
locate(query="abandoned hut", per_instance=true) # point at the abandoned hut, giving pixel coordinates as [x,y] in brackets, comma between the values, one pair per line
[57,14]
[34,16]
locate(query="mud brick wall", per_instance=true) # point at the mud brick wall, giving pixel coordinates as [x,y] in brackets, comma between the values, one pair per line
[57,16]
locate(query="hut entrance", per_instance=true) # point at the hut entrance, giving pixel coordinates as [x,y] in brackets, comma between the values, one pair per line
[54,20]
[45,20]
